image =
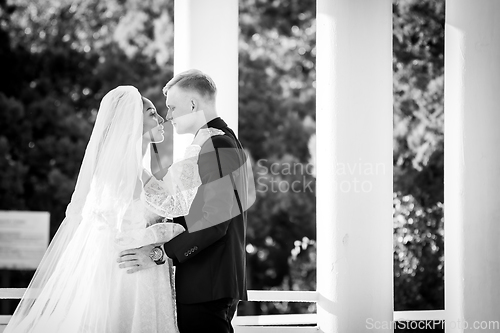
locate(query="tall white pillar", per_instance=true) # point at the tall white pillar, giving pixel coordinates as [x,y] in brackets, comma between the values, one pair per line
[354,165]
[472,163]
[206,38]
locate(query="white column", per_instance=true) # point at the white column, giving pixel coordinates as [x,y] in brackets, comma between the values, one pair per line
[472,163]
[354,165]
[206,38]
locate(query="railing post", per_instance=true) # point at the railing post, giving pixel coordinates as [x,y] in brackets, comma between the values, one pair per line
[354,165]
[472,163]
[206,38]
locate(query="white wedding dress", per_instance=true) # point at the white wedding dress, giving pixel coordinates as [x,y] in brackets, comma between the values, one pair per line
[79,287]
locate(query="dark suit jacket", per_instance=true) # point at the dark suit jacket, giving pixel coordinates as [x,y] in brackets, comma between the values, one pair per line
[210,257]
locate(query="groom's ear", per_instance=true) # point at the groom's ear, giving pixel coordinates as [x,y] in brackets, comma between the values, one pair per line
[193,105]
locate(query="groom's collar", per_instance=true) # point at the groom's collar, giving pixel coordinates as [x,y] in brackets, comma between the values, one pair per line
[215,123]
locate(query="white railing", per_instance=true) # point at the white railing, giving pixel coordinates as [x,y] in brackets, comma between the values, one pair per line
[274,323]
[419,315]
[9,293]
[242,324]
[295,323]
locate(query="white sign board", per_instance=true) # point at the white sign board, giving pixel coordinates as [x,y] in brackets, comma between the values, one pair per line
[24,237]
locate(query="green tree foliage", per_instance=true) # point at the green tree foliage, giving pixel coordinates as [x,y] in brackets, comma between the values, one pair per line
[418,255]
[418,154]
[277,112]
[418,99]
[58,58]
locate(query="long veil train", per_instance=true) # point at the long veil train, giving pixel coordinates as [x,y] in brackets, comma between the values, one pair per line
[74,278]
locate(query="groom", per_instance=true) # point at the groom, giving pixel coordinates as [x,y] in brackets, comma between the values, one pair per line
[210,257]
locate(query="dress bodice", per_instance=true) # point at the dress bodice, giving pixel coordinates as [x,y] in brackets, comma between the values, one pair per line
[138,216]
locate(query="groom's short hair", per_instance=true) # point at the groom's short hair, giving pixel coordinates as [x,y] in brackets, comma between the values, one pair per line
[194,80]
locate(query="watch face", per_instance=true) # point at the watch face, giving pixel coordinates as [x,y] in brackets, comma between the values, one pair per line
[156,254]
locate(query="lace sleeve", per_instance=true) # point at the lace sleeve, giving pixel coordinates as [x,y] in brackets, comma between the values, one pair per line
[154,234]
[172,197]
[162,232]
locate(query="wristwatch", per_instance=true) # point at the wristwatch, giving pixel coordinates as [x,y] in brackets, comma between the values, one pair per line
[157,255]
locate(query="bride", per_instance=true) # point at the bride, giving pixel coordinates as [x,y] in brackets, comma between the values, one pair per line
[78,286]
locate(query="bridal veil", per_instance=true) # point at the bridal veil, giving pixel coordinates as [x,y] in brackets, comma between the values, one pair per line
[108,177]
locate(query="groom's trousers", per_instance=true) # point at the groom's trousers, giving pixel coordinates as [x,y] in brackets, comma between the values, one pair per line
[208,317]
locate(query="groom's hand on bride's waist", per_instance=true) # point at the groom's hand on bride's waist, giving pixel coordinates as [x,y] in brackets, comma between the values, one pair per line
[135,260]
